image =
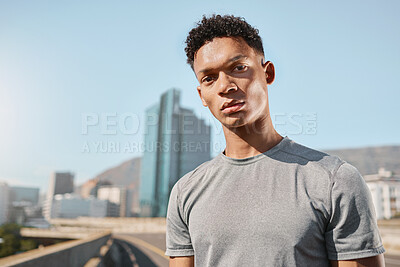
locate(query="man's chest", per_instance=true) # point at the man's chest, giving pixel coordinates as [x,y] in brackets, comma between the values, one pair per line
[267,210]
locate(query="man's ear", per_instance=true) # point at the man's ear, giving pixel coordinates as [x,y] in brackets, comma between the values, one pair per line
[269,70]
[202,99]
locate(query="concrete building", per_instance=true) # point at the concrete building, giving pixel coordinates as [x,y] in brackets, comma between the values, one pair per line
[73,206]
[385,191]
[119,200]
[16,213]
[24,194]
[4,202]
[60,183]
[23,204]
[175,142]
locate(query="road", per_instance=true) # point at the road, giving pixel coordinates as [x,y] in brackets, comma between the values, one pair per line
[147,250]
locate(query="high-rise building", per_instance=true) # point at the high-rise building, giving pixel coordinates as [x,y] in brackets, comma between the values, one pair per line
[60,183]
[176,142]
[24,194]
[4,202]
[119,199]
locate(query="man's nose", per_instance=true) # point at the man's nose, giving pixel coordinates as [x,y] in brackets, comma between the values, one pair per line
[225,84]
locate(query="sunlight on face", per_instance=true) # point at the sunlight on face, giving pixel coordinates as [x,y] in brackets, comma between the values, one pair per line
[228,69]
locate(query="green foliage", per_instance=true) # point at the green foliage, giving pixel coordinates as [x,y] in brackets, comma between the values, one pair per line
[28,244]
[12,241]
[10,245]
[10,228]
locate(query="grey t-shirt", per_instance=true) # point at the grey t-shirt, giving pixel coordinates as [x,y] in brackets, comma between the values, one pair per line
[289,206]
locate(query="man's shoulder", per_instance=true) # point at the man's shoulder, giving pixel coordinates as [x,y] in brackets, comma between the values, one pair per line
[197,172]
[309,157]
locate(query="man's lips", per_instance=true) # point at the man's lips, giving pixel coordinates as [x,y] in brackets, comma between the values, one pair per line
[233,108]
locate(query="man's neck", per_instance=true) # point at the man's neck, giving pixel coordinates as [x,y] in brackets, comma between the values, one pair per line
[248,141]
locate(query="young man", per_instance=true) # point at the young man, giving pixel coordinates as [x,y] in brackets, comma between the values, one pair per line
[265,200]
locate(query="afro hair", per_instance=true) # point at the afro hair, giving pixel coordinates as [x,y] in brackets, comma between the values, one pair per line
[221,26]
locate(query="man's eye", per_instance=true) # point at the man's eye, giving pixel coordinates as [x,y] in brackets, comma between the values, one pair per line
[207,79]
[240,67]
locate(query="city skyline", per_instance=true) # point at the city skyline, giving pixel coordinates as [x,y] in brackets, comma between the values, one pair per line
[336,77]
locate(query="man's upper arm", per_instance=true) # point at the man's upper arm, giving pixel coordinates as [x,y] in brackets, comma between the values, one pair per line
[352,232]
[181,261]
[375,261]
[178,240]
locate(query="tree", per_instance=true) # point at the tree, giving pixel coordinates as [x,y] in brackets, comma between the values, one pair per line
[12,240]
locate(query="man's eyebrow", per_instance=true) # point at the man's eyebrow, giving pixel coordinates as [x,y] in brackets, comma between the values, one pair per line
[235,58]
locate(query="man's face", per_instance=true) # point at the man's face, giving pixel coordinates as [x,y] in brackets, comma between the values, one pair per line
[233,81]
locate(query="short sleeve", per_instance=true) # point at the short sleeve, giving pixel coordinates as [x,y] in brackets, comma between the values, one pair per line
[352,231]
[177,234]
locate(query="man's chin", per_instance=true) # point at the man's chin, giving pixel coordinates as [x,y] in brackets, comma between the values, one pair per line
[234,123]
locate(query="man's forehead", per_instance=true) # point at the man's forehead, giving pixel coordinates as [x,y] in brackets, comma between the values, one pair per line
[220,50]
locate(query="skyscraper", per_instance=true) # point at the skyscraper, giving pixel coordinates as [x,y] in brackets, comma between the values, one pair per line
[4,202]
[60,183]
[176,142]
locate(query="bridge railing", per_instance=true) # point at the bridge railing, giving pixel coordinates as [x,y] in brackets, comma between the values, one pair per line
[67,254]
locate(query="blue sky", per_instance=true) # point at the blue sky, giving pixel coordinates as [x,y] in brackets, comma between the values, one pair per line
[337,66]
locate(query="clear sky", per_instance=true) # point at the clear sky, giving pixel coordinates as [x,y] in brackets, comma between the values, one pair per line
[61,62]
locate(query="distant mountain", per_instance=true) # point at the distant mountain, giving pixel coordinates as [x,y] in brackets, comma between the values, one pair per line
[368,160]
[126,174]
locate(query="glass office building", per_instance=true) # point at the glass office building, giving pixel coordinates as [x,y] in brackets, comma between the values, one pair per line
[176,142]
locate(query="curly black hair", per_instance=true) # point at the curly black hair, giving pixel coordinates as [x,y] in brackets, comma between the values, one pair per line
[221,26]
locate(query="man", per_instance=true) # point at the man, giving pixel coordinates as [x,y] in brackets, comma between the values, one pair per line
[265,200]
